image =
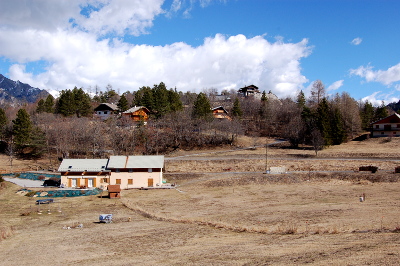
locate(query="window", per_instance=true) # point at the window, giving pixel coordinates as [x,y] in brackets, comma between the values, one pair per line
[130,181]
[377,126]
[105,180]
[105,112]
[118,181]
[150,170]
[398,125]
[117,170]
[130,170]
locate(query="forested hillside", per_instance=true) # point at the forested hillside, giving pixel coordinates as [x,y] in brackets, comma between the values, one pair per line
[67,127]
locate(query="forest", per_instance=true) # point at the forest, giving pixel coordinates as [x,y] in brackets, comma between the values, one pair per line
[65,127]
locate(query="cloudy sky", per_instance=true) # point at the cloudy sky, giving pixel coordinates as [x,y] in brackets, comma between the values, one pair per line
[193,45]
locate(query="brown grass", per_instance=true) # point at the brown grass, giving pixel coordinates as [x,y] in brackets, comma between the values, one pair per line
[215,217]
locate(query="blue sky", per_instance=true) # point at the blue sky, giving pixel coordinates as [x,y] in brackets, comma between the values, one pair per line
[196,45]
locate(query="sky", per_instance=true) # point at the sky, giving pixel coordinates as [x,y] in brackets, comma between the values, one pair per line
[282,46]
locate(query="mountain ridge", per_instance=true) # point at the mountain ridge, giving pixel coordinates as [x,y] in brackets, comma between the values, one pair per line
[16,92]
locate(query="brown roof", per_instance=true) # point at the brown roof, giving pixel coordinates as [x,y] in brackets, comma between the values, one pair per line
[114,188]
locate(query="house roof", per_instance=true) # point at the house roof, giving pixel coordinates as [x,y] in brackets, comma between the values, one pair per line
[220,108]
[134,109]
[80,165]
[145,161]
[106,107]
[391,119]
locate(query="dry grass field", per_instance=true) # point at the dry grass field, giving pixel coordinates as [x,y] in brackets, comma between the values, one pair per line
[225,211]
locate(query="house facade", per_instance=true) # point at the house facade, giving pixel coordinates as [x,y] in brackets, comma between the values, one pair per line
[105,110]
[387,127]
[137,113]
[220,113]
[125,171]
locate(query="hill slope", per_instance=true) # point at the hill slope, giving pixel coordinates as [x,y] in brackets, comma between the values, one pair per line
[14,92]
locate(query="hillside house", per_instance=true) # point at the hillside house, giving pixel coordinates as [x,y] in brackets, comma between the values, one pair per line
[105,110]
[387,127]
[125,171]
[220,113]
[248,91]
[137,114]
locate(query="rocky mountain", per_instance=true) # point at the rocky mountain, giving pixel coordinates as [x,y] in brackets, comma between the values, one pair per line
[16,92]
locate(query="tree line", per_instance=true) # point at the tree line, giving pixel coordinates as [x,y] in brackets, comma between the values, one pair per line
[65,126]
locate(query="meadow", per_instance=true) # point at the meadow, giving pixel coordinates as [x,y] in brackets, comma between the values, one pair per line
[224,211]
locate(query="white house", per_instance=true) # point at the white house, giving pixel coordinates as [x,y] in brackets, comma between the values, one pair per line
[105,110]
[387,127]
[126,171]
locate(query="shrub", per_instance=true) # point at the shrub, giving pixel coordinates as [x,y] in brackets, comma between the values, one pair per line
[30,193]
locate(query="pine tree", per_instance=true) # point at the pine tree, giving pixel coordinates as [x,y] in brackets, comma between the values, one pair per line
[40,107]
[66,103]
[337,132]
[202,107]
[236,110]
[381,112]
[81,102]
[160,100]
[174,101]
[123,104]
[49,104]
[301,100]
[3,122]
[367,115]
[22,129]
[323,121]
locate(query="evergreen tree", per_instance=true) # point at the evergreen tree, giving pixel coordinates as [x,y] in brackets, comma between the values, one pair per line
[3,123]
[236,110]
[38,143]
[66,103]
[337,132]
[160,100]
[123,104]
[49,104]
[367,115]
[202,107]
[301,100]
[148,99]
[174,100]
[74,102]
[81,102]
[264,97]
[22,129]
[323,121]
[40,106]
[381,112]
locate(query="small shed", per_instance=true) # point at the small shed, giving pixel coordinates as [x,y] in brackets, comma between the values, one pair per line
[114,191]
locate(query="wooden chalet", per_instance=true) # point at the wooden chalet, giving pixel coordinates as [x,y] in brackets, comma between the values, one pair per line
[105,110]
[248,91]
[137,113]
[220,113]
[387,127]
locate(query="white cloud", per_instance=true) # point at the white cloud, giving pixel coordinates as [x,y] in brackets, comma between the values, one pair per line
[335,85]
[378,97]
[120,16]
[356,41]
[76,57]
[101,16]
[79,59]
[385,77]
